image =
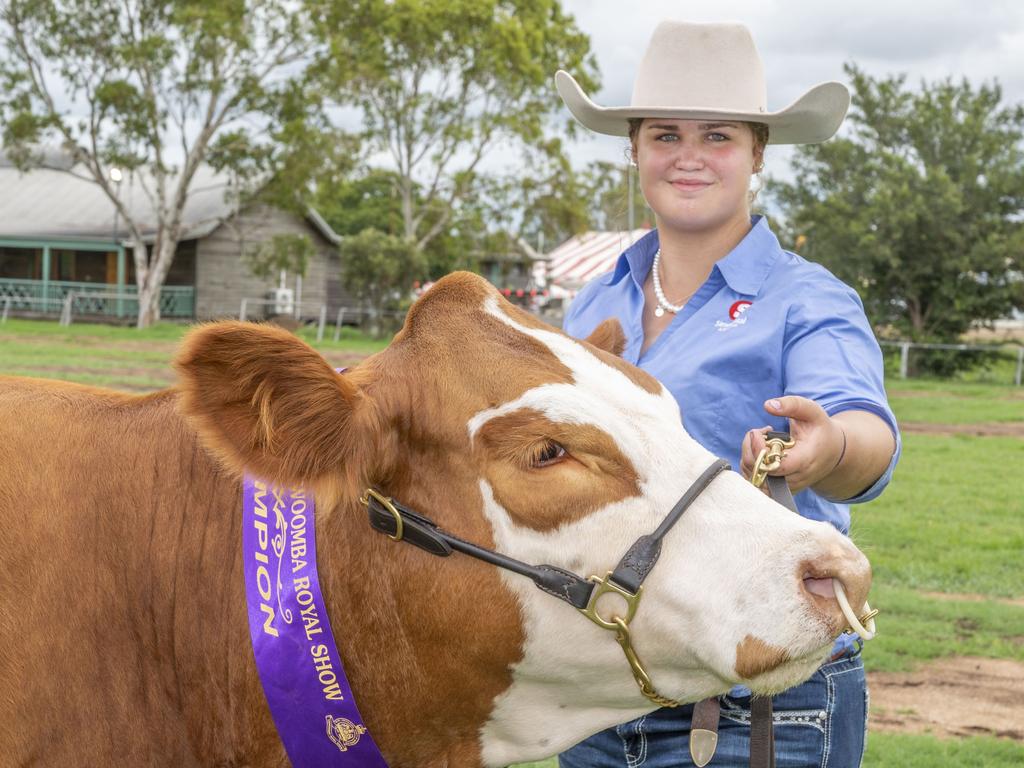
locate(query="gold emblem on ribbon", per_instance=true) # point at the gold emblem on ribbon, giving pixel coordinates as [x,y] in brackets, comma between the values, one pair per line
[344,733]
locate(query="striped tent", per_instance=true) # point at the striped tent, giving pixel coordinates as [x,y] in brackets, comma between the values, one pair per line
[584,257]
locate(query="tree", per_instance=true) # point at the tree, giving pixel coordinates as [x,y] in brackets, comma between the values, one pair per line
[441,83]
[378,268]
[153,88]
[919,207]
[608,187]
[281,253]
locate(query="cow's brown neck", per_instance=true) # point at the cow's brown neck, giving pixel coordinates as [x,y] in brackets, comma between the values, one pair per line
[410,682]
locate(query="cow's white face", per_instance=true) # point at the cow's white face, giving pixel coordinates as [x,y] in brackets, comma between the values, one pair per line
[725,603]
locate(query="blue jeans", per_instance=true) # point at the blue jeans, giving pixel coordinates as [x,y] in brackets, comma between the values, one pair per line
[819,724]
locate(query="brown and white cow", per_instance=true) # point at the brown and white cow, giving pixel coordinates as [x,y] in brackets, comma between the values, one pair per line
[123,630]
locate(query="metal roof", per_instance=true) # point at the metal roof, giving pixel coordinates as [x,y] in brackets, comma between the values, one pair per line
[44,203]
[584,257]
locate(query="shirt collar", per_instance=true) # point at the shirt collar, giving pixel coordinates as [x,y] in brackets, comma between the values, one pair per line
[744,268]
[635,260]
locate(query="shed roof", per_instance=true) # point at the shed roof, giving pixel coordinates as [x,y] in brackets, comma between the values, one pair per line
[45,203]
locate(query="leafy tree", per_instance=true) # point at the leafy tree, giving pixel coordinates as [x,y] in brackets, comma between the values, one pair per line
[378,268]
[154,88]
[919,207]
[542,203]
[287,252]
[369,200]
[440,83]
[608,190]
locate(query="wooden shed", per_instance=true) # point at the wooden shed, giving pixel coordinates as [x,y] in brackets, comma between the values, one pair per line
[60,234]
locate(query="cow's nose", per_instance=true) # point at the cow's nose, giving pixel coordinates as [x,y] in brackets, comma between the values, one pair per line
[840,560]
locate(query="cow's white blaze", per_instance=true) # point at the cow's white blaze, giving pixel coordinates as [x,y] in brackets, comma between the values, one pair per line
[733,554]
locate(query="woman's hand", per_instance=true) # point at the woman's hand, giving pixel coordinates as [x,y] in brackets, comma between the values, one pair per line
[820,442]
[839,456]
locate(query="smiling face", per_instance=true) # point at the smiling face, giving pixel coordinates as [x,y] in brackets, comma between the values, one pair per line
[695,174]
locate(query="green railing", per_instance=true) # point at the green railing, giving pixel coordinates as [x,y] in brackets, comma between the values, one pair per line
[113,301]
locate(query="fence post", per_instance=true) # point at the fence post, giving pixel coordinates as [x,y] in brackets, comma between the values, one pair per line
[337,325]
[1020,366]
[7,308]
[323,322]
[904,357]
[242,310]
[65,313]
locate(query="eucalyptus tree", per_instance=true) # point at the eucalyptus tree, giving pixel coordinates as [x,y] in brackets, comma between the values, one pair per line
[154,88]
[440,84]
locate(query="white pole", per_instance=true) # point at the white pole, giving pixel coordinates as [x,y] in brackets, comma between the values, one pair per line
[7,308]
[323,322]
[65,314]
[904,357]
[337,325]
[242,310]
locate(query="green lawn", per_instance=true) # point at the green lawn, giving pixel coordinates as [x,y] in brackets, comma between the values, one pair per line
[952,520]
[127,358]
[974,404]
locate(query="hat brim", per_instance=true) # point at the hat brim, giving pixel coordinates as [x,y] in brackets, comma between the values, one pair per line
[812,118]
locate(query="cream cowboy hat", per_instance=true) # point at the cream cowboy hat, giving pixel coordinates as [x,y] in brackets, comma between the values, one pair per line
[709,72]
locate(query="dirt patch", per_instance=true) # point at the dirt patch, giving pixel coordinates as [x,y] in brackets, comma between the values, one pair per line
[983,429]
[957,697]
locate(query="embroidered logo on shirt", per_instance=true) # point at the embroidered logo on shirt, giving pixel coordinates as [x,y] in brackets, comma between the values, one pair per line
[738,308]
[737,316]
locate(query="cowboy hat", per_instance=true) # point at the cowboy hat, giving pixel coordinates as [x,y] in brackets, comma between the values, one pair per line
[709,72]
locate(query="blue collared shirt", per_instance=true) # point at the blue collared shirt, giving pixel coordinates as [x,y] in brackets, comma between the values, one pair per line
[765,323]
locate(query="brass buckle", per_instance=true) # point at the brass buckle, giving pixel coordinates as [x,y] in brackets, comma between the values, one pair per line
[602,587]
[386,503]
[769,459]
[620,626]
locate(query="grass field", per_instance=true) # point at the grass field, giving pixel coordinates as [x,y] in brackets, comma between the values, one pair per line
[952,521]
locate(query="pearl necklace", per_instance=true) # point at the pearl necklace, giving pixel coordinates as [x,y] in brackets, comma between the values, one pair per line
[664,305]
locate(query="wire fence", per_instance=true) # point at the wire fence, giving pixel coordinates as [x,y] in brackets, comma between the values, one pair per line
[1009,355]
[364,317]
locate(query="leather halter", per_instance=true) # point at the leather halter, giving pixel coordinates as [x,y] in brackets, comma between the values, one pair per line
[403,524]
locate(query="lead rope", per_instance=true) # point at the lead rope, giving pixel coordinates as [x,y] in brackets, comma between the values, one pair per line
[704,722]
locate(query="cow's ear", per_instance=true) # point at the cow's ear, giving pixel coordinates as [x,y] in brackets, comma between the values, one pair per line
[609,337]
[266,403]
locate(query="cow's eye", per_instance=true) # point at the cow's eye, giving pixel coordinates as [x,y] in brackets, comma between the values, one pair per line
[548,453]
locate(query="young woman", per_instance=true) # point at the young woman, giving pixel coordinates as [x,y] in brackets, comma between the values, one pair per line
[744,334]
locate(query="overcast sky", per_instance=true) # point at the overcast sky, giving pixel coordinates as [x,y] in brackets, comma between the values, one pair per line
[803,42]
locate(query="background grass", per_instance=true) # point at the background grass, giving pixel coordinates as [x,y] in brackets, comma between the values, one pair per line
[952,521]
[127,358]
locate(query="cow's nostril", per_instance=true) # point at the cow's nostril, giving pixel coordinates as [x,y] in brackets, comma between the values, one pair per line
[822,587]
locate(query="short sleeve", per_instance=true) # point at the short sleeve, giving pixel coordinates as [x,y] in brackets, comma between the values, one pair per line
[831,356]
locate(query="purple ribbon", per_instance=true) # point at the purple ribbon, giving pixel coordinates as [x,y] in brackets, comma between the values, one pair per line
[299,665]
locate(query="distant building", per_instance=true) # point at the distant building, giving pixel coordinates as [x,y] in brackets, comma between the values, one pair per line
[583,257]
[60,233]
